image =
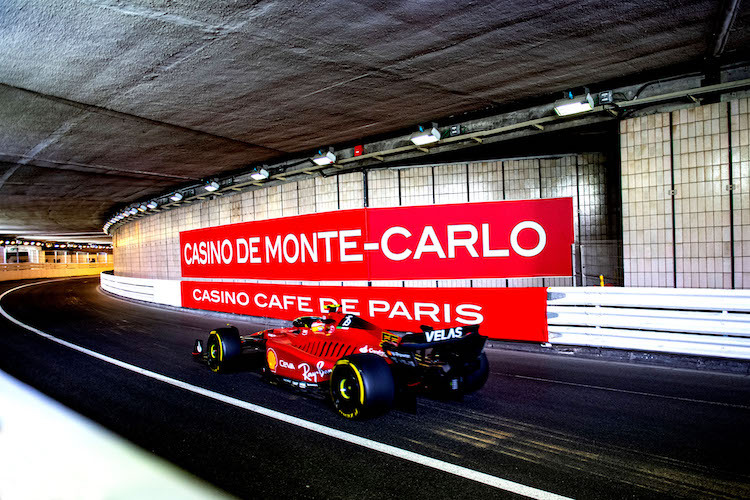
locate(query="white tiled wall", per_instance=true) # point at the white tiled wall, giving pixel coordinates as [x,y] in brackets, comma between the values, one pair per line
[326,194]
[149,247]
[701,171]
[647,201]
[289,199]
[451,184]
[740,142]
[273,202]
[416,186]
[306,196]
[696,150]
[351,191]
[383,188]
[486,181]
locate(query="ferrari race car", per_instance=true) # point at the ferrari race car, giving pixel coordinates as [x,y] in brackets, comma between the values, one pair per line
[363,367]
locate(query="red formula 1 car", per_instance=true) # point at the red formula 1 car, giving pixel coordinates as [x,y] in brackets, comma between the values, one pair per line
[363,367]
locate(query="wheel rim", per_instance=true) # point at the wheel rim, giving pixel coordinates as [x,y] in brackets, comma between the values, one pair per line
[347,391]
[344,389]
[214,354]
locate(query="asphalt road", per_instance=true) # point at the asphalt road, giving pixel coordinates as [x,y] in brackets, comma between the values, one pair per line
[573,427]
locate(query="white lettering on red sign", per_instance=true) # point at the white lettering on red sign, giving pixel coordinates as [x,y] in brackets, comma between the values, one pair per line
[460,240]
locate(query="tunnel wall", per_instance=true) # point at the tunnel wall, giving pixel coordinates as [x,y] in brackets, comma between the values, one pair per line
[686,197]
[149,247]
[685,190]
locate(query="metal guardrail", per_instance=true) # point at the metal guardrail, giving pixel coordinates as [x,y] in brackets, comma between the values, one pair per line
[30,266]
[28,270]
[682,321]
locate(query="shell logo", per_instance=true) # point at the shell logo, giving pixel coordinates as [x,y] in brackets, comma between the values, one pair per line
[272,359]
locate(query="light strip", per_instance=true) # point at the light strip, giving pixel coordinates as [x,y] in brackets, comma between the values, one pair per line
[567,107]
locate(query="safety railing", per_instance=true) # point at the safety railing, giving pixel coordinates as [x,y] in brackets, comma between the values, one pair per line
[28,270]
[683,321]
[28,266]
[157,291]
[696,322]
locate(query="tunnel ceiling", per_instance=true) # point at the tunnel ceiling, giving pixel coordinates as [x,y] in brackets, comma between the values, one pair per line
[105,102]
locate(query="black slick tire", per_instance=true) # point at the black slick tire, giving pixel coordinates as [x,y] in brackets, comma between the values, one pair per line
[475,380]
[223,348]
[361,386]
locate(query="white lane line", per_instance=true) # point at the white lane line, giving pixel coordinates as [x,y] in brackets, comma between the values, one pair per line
[625,391]
[440,465]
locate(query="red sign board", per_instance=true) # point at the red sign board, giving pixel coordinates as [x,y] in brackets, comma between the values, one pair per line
[504,239]
[504,313]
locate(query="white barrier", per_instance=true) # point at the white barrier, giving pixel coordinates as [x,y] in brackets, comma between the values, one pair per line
[698,322]
[158,291]
[78,458]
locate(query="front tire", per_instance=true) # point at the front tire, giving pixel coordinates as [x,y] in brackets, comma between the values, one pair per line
[223,348]
[361,385]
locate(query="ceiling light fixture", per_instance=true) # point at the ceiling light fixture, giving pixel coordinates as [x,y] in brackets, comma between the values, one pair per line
[152,205]
[574,105]
[324,158]
[211,186]
[133,211]
[176,197]
[142,208]
[259,174]
[425,136]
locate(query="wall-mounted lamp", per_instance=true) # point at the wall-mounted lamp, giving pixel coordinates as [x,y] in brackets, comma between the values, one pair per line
[152,205]
[176,197]
[574,105]
[425,136]
[259,174]
[211,186]
[324,158]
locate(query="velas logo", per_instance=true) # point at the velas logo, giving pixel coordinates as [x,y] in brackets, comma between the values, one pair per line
[440,335]
[475,240]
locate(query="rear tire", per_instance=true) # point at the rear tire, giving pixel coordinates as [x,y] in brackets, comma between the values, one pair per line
[223,349]
[362,385]
[476,379]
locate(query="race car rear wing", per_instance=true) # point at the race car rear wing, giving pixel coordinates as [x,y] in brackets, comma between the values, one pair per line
[429,337]
[464,338]
[436,348]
